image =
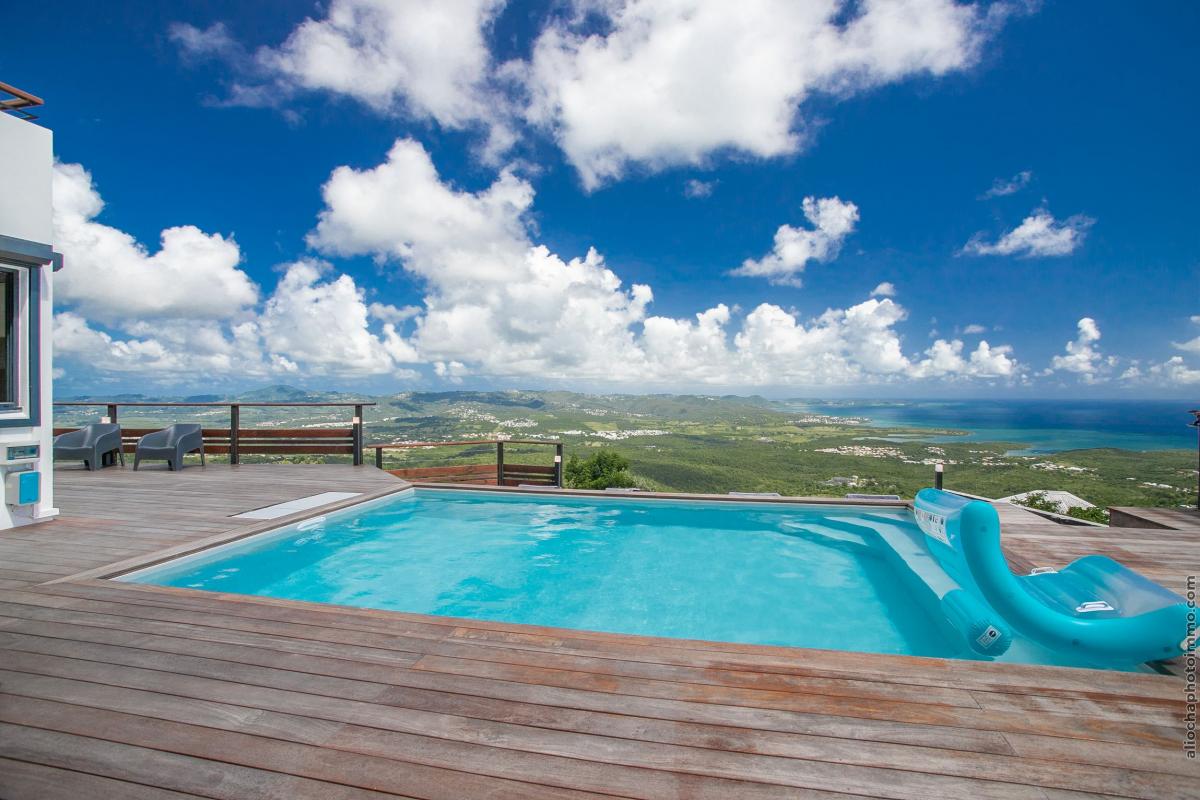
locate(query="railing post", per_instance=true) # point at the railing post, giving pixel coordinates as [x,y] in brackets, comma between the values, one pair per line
[499,463]
[939,469]
[235,424]
[358,436]
[378,458]
[108,459]
[558,464]
[1195,412]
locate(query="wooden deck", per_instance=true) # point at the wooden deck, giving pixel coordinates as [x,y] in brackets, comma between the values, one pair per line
[129,691]
[1173,518]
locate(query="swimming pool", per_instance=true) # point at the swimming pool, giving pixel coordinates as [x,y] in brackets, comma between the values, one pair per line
[816,576]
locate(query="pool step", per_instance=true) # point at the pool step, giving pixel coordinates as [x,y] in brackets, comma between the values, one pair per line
[827,533]
[908,544]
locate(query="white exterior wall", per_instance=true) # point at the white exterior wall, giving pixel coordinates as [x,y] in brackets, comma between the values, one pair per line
[26,167]
[26,164]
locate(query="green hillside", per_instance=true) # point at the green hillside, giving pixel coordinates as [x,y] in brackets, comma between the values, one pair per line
[699,443]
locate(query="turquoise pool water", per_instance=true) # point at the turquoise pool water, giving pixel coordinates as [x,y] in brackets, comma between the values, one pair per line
[721,571]
[799,575]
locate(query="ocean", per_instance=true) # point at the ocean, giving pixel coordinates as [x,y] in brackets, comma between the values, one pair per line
[1042,426]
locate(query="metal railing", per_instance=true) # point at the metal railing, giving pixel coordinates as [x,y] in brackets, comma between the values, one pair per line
[237,441]
[504,473]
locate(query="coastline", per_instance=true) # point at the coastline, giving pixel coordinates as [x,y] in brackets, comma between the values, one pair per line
[1035,427]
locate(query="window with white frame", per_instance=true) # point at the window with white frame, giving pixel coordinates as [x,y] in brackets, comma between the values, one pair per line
[10,335]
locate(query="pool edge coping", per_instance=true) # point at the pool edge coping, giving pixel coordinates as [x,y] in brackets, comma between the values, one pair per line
[690,496]
[117,569]
[152,559]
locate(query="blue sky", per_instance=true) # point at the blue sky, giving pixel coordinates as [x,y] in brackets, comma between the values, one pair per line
[524,126]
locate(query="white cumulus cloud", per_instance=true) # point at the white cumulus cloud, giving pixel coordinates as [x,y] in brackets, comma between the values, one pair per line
[1172,372]
[1083,356]
[832,221]
[1003,187]
[495,299]
[945,358]
[193,274]
[1191,345]
[188,312]
[1039,234]
[426,58]
[323,324]
[615,82]
[385,312]
[1175,371]
[498,303]
[673,81]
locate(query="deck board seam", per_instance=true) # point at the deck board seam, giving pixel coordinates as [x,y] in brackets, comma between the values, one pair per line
[105,777]
[189,599]
[579,708]
[667,771]
[81,606]
[915,706]
[947,775]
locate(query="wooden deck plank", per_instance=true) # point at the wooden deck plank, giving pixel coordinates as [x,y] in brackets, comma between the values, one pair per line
[586,644]
[361,689]
[323,766]
[444,642]
[590,747]
[21,780]
[418,687]
[570,761]
[67,641]
[173,771]
[1170,518]
[142,691]
[1011,697]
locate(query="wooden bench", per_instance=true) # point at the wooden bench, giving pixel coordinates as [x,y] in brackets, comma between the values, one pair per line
[528,474]
[236,440]
[259,441]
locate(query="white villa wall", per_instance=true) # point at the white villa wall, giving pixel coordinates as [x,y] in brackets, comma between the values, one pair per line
[26,178]
[26,164]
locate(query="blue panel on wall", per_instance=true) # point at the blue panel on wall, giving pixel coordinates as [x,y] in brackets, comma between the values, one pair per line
[30,489]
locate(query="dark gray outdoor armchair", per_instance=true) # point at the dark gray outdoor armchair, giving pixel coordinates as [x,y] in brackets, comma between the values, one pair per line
[170,445]
[89,444]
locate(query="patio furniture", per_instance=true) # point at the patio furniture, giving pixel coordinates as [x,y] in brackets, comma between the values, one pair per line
[89,444]
[1096,609]
[171,445]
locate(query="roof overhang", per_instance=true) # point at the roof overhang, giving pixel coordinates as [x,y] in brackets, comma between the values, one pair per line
[29,254]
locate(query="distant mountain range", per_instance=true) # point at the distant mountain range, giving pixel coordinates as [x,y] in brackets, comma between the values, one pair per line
[668,405]
[700,443]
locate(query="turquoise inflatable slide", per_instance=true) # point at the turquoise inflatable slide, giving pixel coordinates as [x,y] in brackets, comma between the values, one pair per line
[1095,609]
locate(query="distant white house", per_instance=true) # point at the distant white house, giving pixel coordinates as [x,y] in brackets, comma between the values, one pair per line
[1065,500]
[27,264]
[851,481]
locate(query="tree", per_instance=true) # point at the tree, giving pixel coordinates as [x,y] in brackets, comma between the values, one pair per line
[603,469]
[1093,514]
